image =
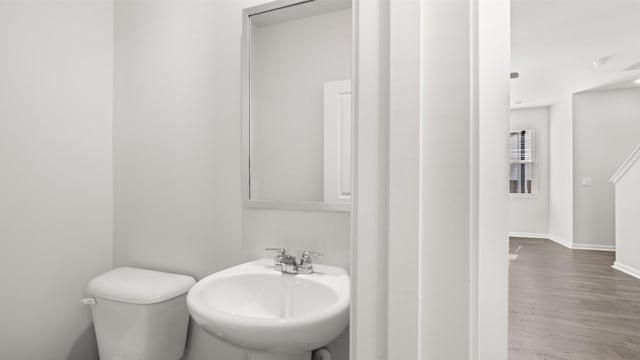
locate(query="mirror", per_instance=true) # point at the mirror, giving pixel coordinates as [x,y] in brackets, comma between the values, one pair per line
[299,116]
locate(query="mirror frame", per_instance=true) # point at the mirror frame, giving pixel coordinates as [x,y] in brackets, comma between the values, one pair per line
[246,122]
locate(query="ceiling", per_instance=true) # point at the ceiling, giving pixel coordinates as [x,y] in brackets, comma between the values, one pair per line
[555,43]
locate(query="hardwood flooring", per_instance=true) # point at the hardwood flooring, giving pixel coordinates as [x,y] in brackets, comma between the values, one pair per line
[570,305]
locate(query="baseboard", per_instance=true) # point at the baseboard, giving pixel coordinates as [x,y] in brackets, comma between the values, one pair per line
[553,238]
[593,247]
[528,235]
[560,241]
[626,269]
[563,242]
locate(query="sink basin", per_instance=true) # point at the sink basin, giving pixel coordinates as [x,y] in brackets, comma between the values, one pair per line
[265,311]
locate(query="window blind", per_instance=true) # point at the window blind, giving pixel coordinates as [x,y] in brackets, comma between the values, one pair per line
[522,162]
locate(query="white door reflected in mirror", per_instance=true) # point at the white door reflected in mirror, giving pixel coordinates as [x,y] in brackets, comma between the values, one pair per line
[337,141]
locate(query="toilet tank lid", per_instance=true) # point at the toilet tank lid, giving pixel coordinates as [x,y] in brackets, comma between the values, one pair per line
[139,286]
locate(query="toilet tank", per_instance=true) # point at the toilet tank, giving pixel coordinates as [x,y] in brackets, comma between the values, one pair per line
[140,314]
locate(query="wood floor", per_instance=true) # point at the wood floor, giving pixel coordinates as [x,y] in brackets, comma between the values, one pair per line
[570,305]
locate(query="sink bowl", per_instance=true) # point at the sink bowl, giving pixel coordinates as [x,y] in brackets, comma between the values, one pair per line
[265,311]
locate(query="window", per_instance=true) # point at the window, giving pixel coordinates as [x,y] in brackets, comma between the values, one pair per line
[522,162]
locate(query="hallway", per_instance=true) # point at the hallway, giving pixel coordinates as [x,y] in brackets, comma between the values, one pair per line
[570,305]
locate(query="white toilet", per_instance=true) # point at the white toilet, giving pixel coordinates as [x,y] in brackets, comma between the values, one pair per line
[140,314]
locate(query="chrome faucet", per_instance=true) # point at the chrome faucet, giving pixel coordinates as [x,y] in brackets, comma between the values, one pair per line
[288,264]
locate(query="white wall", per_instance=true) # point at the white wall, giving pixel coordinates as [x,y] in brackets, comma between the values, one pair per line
[627,208]
[369,274]
[56,173]
[177,142]
[459,54]
[530,214]
[404,180]
[606,130]
[561,170]
[291,61]
[445,202]
[177,153]
[489,262]
[296,231]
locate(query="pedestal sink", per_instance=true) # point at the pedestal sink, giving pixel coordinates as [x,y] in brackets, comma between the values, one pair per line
[271,315]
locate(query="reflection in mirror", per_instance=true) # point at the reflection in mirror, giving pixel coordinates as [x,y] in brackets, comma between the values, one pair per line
[300,103]
[522,162]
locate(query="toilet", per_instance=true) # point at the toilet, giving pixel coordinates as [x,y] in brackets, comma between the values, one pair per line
[140,314]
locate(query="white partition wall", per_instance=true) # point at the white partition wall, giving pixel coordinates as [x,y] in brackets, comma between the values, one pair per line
[605,131]
[627,206]
[561,171]
[430,232]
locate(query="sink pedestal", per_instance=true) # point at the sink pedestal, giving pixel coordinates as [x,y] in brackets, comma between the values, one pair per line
[273,356]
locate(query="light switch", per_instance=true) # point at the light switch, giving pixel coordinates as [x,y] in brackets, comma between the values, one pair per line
[586,182]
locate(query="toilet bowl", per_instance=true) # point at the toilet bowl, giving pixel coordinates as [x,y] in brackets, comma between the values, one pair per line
[140,314]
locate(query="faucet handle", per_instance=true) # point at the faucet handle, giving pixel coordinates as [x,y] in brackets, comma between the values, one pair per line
[278,266]
[280,251]
[305,261]
[309,254]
